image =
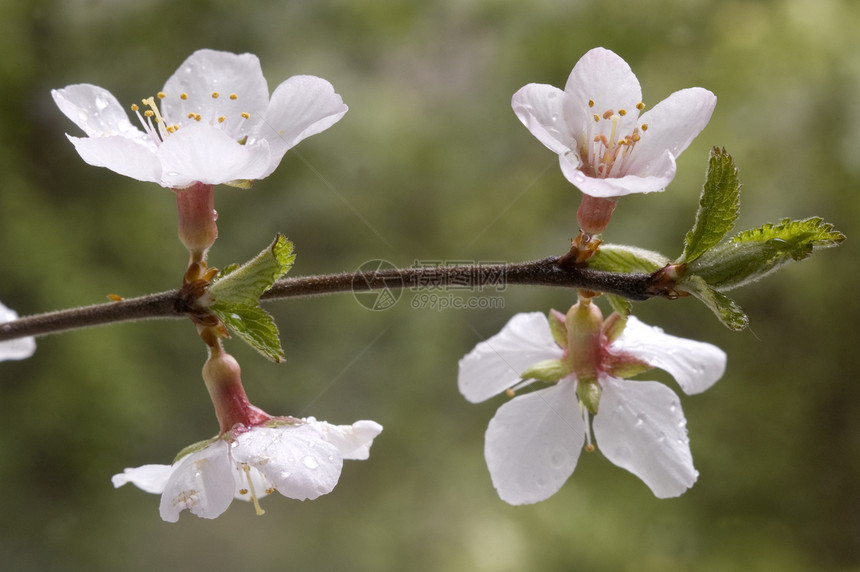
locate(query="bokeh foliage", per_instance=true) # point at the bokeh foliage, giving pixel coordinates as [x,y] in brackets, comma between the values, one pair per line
[429,164]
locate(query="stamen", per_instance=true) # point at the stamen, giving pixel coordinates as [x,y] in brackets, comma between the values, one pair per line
[257,507]
[510,392]
[234,97]
[215,95]
[608,113]
[596,118]
[183,96]
[160,95]
[622,112]
[644,127]
[134,107]
[640,106]
[245,115]
[222,119]
[590,103]
[149,113]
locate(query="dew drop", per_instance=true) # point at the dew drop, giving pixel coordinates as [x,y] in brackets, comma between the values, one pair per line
[101,103]
[310,462]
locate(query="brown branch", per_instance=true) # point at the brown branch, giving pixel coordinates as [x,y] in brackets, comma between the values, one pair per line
[176,304]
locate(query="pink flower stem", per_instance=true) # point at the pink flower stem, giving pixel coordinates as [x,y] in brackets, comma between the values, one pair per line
[197,216]
[223,378]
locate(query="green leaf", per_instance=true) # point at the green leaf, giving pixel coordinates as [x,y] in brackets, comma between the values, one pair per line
[623,306]
[753,254]
[726,309]
[245,284]
[254,325]
[626,259]
[718,206]
[234,297]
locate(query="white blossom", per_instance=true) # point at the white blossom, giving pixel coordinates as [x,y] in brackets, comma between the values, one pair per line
[299,458]
[606,146]
[18,348]
[533,442]
[212,123]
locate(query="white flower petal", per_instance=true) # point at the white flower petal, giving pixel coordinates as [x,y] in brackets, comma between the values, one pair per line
[540,108]
[640,427]
[298,462]
[18,348]
[201,482]
[619,186]
[121,155]
[301,106]
[533,443]
[208,71]
[496,363]
[97,112]
[353,441]
[672,125]
[149,478]
[605,78]
[201,153]
[696,366]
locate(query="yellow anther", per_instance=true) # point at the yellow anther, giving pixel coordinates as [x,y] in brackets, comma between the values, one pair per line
[233,96]
[160,95]
[245,115]
[243,491]
[640,106]
[222,119]
[644,127]
[589,448]
[608,113]
[183,95]
[596,118]
[510,392]
[635,137]
[149,113]
[215,95]
[622,112]
[134,107]
[590,103]
[270,490]
[190,115]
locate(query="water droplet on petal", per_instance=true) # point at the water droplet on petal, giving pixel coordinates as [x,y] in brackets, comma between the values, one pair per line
[310,462]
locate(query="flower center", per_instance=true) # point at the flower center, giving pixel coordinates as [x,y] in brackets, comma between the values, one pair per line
[606,149]
[225,116]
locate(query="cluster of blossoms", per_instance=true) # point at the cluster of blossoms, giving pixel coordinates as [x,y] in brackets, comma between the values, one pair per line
[215,123]
[607,147]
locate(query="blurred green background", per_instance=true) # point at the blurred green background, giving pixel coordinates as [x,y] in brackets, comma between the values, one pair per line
[430,163]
